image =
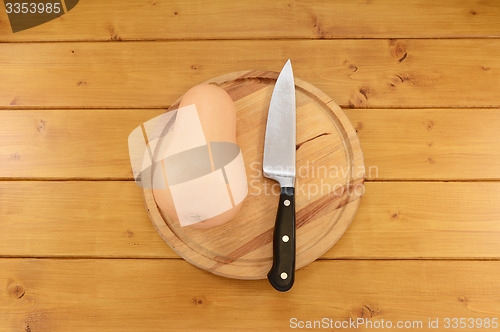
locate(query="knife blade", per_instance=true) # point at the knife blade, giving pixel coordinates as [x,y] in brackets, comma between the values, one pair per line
[279,165]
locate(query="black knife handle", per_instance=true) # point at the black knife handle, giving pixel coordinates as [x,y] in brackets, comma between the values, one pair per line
[282,273]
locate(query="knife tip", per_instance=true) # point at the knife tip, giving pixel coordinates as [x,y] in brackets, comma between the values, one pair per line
[287,66]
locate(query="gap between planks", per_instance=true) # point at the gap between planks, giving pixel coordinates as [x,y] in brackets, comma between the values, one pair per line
[241,39]
[13,108]
[477,259]
[41,179]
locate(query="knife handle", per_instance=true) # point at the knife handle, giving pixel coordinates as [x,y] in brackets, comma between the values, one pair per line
[282,273]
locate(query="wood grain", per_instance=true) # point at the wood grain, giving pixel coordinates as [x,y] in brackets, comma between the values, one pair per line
[92,144]
[415,249]
[154,295]
[328,185]
[104,219]
[431,144]
[55,144]
[396,220]
[354,73]
[162,19]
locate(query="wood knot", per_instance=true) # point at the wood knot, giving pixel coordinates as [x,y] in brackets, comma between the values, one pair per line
[81,83]
[41,126]
[472,12]
[195,67]
[371,311]
[16,291]
[396,80]
[15,156]
[351,68]
[113,34]
[365,311]
[129,233]
[398,50]
[364,91]
[199,300]
[359,98]
[319,31]
[429,125]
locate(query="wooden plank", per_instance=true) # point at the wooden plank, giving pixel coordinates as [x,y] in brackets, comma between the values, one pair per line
[424,220]
[397,144]
[443,144]
[155,295]
[162,19]
[90,144]
[108,219]
[91,219]
[355,73]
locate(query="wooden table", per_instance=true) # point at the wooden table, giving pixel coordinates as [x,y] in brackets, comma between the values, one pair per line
[420,80]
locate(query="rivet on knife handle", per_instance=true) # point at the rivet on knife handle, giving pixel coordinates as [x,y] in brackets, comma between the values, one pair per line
[282,274]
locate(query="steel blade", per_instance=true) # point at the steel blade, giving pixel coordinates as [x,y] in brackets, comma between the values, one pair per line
[279,148]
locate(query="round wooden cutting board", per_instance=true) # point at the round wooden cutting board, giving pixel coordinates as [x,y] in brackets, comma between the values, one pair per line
[330,175]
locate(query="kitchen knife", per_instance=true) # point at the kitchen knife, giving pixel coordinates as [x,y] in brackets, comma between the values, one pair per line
[279,165]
